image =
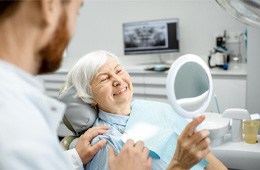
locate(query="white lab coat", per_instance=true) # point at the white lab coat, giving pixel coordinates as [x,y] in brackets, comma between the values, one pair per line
[28,125]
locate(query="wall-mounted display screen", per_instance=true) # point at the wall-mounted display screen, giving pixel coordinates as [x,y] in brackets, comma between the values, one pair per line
[147,37]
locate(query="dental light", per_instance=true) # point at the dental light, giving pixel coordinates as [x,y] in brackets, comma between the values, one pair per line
[246,11]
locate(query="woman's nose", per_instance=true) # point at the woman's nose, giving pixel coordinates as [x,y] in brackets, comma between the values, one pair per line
[117,81]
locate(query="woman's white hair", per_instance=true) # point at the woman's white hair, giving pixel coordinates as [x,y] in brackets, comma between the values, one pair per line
[83,72]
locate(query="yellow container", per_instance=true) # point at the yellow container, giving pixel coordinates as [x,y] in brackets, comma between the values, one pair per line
[251,131]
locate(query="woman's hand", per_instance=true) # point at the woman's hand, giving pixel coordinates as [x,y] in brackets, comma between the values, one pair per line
[84,148]
[132,156]
[192,146]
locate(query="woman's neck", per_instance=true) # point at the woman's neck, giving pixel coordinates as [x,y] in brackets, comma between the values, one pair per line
[120,110]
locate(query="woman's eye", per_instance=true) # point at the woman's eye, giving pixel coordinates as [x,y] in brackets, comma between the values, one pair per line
[118,71]
[103,79]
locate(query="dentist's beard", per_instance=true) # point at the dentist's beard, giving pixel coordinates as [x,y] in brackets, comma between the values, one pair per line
[51,55]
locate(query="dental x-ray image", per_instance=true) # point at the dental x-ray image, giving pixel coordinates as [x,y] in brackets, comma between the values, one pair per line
[146,36]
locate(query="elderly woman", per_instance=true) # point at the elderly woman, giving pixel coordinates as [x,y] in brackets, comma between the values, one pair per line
[101,81]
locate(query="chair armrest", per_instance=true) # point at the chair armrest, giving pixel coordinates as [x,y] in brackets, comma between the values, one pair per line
[66,141]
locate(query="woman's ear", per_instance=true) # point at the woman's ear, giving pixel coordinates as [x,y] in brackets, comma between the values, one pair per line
[95,105]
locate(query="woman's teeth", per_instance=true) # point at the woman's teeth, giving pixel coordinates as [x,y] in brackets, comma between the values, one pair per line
[120,91]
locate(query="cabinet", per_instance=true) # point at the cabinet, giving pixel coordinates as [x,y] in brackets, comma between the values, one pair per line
[53,82]
[149,85]
[230,87]
[230,92]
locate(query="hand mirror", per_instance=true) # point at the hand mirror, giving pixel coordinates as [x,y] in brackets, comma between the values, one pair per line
[189,86]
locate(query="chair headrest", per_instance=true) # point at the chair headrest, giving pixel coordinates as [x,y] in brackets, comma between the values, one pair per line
[79,116]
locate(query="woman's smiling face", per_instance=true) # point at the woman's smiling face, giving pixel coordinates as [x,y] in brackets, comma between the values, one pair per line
[112,88]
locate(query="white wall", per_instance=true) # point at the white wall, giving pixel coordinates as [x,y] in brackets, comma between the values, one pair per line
[100,26]
[253,71]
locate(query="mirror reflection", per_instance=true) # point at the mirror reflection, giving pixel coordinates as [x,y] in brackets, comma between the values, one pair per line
[191,86]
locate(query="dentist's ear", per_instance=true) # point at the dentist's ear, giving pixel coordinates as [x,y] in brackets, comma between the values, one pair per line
[51,11]
[46,18]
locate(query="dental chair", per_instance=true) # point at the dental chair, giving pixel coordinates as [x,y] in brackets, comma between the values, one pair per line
[78,116]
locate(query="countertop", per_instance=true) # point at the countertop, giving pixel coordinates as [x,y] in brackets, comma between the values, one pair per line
[234,70]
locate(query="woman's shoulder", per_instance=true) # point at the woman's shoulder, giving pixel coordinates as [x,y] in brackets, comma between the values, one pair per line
[111,140]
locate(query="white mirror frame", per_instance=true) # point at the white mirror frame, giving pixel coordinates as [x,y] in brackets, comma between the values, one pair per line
[170,85]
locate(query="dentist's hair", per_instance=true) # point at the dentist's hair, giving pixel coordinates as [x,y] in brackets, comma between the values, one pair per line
[8,8]
[83,72]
